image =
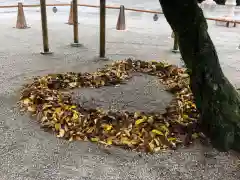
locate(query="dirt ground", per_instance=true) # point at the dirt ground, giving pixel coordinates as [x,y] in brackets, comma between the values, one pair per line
[28,153]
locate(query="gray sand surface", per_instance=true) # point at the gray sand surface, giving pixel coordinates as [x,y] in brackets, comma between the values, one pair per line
[29,153]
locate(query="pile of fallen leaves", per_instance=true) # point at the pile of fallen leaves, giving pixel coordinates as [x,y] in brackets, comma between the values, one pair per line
[47,99]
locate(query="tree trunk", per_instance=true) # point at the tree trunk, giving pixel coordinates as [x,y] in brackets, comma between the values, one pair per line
[216,98]
[238,2]
[220,2]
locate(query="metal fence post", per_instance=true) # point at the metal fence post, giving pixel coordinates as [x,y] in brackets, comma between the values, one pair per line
[44,27]
[102,28]
[75,25]
[175,45]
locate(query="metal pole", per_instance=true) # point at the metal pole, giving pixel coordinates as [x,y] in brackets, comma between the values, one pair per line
[102,27]
[75,24]
[175,45]
[44,27]
[75,21]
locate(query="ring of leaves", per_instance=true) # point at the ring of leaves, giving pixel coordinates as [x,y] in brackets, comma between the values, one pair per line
[47,99]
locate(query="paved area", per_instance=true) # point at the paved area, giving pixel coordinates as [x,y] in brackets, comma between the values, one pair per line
[28,153]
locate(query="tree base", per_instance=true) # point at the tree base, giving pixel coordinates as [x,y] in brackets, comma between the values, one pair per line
[46,53]
[76,45]
[216,99]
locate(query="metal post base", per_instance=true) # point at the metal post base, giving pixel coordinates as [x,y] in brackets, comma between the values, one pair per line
[175,51]
[96,59]
[70,24]
[46,53]
[23,27]
[103,58]
[76,45]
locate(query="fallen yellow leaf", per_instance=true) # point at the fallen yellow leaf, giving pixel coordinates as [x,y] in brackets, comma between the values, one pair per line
[137,114]
[172,139]
[195,135]
[185,116]
[26,101]
[109,141]
[61,133]
[157,132]
[57,126]
[94,139]
[31,108]
[75,115]
[139,121]
[107,127]
[72,84]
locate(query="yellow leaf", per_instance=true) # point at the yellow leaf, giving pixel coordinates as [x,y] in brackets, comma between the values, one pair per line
[102,82]
[157,142]
[167,124]
[185,116]
[26,101]
[78,138]
[195,135]
[32,97]
[45,106]
[61,133]
[65,127]
[109,141]
[58,110]
[57,126]
[90,130]
[73,107]
[127,132]
[137,114]
[107,127]
[73,84]
[139,121]
[150,120]
[190,102]
[153,61]
[54,116]
[43,119]
[157,149]
[172,139]
[75,115]
[118,134]
[130,126]
[118,74]
[49,98]
[134,142]
[154,68]
[157,132]
[151,145]
[125,140]
[31,108]
[165,129]
[95,139]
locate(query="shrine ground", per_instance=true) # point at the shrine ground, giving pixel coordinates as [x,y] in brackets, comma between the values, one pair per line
[29,153]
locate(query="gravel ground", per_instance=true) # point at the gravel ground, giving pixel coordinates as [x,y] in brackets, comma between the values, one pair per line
[29,153]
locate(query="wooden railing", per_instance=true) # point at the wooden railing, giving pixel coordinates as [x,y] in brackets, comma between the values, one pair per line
[117,7]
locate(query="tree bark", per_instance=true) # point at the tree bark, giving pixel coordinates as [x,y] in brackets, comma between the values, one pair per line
[216,99]
[220,2]
[238,2]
